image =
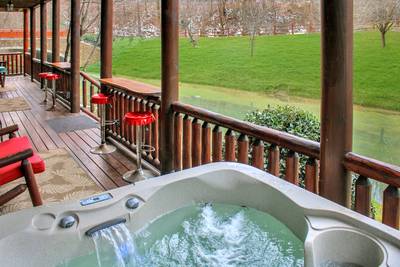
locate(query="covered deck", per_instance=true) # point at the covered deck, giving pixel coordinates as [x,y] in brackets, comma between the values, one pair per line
[185,136]
[105,170]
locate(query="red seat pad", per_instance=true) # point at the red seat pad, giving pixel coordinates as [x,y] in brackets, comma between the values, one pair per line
[13,171]
[139,118]
[101,99]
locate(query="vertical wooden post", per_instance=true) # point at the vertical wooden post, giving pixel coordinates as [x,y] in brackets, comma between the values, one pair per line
[337,105]
[26,37]
[106,31]
[75,56]
[170,79]
[55,38]
[43,34]
[33,38]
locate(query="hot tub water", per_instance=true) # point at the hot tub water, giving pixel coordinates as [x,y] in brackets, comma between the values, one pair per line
[199,235]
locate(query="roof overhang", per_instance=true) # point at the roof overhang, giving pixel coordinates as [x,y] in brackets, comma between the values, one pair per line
[19,5]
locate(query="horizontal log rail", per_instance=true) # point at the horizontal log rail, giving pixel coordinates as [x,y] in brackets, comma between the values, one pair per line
[14,63]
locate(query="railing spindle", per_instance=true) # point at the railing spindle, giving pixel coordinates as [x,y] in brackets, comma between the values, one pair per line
[391,207]
[363,196]
[216,144]
[230,146]
[178,139]
[196,143]
[156,129]
[274,160]
[84,94]
[91,94]
[206,143]
[243,149]
[292,167]
[312,178]
[187,142]
[258,154]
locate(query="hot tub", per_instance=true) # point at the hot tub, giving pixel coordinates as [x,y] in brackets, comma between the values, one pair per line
[330,233]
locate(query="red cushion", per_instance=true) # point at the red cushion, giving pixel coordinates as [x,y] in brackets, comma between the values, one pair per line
[101,99]
[53,76]
[43,75]
[139,118]
[13,171]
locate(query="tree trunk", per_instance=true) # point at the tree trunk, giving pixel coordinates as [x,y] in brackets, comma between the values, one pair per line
[383,38]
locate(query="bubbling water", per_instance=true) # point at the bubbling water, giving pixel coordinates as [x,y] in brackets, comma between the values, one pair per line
[221,235]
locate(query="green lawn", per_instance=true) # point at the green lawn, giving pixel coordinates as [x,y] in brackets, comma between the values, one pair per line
[288,65]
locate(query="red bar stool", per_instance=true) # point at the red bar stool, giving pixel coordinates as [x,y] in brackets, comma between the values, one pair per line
[43,76]
[102,100]
[53,77]
[138,119]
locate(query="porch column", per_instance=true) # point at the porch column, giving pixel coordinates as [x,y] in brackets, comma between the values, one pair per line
[170,80]
[26,37]
[336,103]
[75,56]
[55,38]
[43,34]
[106,31]
[33,38]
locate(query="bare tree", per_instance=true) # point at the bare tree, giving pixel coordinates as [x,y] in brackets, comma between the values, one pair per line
[382,14]
[252,17]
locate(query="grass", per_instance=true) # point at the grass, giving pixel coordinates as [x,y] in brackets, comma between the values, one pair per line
[288,65]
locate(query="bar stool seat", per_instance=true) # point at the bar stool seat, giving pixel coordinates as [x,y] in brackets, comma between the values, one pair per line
[102,100]
[49,76]
[138,119]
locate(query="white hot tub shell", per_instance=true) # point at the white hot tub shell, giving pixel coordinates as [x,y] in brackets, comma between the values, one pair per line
[330,232]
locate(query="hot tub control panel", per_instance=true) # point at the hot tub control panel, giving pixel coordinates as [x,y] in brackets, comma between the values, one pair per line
[95,199]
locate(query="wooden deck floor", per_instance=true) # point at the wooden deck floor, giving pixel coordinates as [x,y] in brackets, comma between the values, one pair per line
[106,171]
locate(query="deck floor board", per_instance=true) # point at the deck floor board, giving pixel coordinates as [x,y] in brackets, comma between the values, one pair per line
[106,171]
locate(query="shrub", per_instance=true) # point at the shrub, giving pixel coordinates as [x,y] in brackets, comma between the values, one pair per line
[291,120]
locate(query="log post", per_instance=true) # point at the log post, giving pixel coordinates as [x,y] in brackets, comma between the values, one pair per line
[43,34]
[337,105]
[26,37]
[106,37]
[55,38]
[33,38]
[75,56]
[169,80]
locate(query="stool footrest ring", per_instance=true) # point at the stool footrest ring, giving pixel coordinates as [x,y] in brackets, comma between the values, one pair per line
[148,149]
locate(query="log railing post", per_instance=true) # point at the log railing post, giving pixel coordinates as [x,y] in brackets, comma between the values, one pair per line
[33,39]
[336,103]
[292,167]
[26,38]
[196,143]
[230,146]
[43,37]
[187,143]
[311,182]
[55,38]
[75,56]
[274,160]
[169,80]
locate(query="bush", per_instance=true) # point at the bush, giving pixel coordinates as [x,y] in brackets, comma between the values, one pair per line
[291,120]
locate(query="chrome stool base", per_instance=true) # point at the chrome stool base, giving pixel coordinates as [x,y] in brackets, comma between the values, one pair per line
[103,149]
[137,175]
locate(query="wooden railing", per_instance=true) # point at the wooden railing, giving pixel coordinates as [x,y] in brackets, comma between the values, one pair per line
[379,171]
[125,100]
[27,63]
[198,138]
[89,87]
[14,62]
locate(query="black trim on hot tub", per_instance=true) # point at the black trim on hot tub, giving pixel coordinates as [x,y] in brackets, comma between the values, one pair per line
[104,225]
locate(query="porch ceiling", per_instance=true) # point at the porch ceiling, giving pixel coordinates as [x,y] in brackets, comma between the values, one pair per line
[18,4]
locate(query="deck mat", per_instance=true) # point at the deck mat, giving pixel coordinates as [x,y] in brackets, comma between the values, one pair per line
[13,104]
[70,124]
